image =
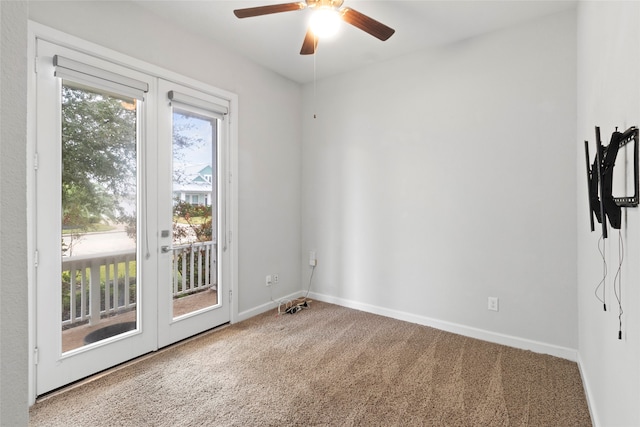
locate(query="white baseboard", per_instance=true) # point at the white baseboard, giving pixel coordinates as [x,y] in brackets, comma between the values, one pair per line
[587,392]
[244,315]
[508,340]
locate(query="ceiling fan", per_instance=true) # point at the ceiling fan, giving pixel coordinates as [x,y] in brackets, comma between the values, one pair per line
[310,43]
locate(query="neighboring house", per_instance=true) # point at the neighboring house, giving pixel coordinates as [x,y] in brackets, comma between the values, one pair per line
[193,184]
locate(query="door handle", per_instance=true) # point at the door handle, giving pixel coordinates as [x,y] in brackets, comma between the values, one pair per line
[166,249]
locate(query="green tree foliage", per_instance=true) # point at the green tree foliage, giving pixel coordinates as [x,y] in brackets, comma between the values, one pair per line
[99,164]
[98,156]
[198,222]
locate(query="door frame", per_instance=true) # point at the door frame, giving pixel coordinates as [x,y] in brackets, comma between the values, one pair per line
[38,31]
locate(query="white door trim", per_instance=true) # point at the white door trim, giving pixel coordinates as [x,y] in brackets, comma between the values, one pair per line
[39,31]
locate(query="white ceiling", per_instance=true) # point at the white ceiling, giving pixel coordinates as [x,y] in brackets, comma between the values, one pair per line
[274,40]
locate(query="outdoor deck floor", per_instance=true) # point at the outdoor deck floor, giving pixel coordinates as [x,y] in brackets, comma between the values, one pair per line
[73,338]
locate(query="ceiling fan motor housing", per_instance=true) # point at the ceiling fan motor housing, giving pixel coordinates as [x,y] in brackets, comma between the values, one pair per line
[334,4]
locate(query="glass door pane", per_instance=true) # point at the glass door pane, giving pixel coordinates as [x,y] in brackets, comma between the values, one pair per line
[99,292]
[194,212]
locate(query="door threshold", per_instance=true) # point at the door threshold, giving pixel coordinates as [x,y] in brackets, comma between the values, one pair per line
[108,371]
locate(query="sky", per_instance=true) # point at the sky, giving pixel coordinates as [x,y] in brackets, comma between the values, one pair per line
[197,128]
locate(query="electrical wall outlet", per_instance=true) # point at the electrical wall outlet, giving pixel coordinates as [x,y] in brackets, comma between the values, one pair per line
[493,303]
[312,258]
[276,279]
[268,280]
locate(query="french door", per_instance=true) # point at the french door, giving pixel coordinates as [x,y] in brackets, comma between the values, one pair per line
[193,212]
[130,215]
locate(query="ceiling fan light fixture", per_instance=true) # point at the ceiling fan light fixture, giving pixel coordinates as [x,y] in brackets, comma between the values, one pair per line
[325,22]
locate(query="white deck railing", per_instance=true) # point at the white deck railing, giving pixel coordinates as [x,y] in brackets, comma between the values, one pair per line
[195,267]
[104,284]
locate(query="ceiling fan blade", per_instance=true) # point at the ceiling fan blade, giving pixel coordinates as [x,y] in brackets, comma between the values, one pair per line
[366,24]
[266,10]
[310,43]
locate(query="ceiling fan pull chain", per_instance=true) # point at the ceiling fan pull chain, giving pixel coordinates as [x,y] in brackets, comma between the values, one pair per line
[315,101]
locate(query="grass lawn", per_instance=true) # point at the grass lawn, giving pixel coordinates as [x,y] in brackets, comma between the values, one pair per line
[195,220]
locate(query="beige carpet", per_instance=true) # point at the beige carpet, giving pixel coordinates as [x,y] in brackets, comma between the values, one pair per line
[328,365]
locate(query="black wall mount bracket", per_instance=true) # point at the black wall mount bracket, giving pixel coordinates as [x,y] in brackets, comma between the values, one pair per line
[603,203]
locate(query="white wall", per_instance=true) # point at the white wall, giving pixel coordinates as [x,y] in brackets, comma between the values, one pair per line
[269,128]
[406,194]
[269,158]
[434,181]
[608,96]
[13,224]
